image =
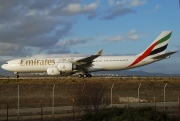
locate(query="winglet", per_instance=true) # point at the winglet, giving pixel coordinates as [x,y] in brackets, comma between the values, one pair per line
[99,52]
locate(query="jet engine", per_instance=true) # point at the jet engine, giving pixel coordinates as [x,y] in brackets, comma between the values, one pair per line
[66,67]
[53,71]
[62,68]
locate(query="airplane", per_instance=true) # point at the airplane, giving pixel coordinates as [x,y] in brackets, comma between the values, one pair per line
[83,66]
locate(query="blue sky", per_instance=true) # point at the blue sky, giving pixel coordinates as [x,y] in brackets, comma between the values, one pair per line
[119,27]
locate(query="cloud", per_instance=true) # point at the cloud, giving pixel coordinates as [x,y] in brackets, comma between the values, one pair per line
[8,46]
[64,46]
[61,47]
[55,55]
[116,9]
[71,42]
[136,2]
[116,38]
[25,25]
[111,2]
[127,37]
[33,27]
[127,3]
[155,9]
[35,24]
[133,35]
[116,12]
[120,8]
[77,8]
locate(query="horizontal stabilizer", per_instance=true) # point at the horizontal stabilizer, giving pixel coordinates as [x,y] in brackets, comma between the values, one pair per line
[165,55]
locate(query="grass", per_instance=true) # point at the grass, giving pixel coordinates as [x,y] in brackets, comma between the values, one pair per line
[33,90]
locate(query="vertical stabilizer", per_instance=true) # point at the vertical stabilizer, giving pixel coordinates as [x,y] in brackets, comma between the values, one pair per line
[159,45]
[157,48]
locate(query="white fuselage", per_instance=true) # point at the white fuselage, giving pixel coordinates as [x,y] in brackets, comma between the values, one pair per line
[102,63]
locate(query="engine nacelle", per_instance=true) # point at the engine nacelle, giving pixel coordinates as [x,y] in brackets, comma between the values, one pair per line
[53,71]
[66,67]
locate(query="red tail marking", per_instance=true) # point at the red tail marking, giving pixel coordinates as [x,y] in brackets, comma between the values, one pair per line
[145,54]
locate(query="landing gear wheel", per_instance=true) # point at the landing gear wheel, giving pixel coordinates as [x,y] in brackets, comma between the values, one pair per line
[89,75]
[85,75]
[80,75]
[17,76]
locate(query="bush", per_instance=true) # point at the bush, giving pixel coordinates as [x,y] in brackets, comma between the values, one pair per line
[89,96]
[124,114]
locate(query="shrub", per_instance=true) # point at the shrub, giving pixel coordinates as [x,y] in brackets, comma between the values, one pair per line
[130,114]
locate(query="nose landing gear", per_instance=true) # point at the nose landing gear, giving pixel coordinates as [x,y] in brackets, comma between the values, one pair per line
[16,74]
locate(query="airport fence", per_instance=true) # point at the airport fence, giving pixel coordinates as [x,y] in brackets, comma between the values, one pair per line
[55,100]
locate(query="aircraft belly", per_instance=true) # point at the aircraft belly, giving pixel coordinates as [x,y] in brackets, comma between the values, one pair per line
[94,68]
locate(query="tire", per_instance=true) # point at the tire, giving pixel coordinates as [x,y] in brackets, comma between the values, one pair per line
[85,75]
[89,75]
[80,75]
[17,76]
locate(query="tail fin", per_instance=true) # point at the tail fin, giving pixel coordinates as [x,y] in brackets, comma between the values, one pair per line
[159,45]
[157,48]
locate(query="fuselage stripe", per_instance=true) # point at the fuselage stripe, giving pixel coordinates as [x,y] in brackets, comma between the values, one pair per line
[158,50]
[164,38]
[145,54]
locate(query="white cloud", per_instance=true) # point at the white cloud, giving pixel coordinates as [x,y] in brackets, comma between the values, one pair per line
[137,2]
[70,42]
[120,3]
[132,31]
[127,37]
[117,38]
[25,25]
[55,55]
[116,11]
[127,3]
[134,37]
[119,8]
[77,8]
[155,9]
[35,12]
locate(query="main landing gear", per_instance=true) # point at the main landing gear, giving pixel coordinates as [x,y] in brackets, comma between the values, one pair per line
[16,74]
[85,75]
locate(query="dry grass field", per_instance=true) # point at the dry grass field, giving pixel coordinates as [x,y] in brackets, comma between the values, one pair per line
[33,90]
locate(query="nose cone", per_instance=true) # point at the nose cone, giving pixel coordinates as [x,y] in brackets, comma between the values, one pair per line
[4,66]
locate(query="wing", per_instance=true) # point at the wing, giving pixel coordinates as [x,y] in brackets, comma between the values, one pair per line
[86,62]
[90,58]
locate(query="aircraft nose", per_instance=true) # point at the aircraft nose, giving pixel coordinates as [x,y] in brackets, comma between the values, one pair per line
[4,66]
